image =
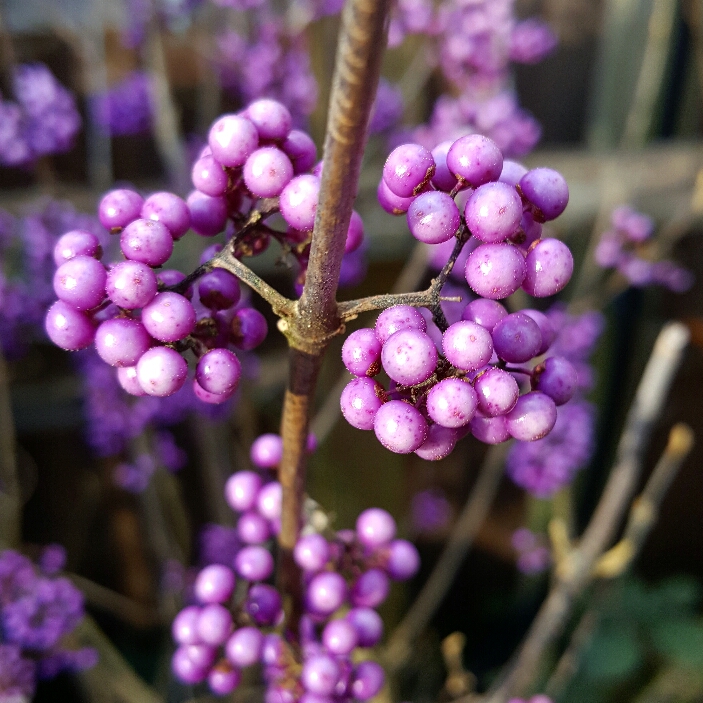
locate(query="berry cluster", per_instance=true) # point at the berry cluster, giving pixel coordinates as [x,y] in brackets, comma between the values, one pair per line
[434,399]
[625,248]
[127,311]
[505,205]
[345,577]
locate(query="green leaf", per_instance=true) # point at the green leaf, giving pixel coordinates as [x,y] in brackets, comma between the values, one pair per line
[612,654]
[680,640]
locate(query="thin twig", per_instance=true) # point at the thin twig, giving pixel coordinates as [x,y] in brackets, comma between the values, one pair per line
[167,132]
[463,534]
[430,298]
[117,604]
[10,499]
[645,508]
[281,306]
[112,679]
[570,660]
[575,573]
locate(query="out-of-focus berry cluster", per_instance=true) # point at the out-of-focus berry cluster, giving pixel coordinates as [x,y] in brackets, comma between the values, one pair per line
[625,247]
[43,120]
[38,609]
[237,618]
[473,45]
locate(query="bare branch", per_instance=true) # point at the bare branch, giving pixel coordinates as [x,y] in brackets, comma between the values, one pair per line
[575,573]
[463,534]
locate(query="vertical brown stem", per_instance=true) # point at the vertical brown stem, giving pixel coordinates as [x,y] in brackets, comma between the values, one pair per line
[10,501]
[316,318]
[297,407]
[358,65]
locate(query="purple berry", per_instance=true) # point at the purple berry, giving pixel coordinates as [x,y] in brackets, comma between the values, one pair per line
[248,329]
[400,427]
[76,243]
[393,204]
[484,312]
[361,352]
[214,624]
[532,417]
[517,338]
[267,172]
[271,118]
[147,241]
[232,139]
[254,563]
[242,489]
[320,674]
[311,552]
[467,345]
[208,214]
[218,371]
[209,177]
[169,317]
[403,560]
[475,160]
[80,282]
[368,680]
[131,285]
[408,170]
[549,265]
[452,403]
[301,150]
[245,646]
[370,589]
[121,341]
[409,357]
[490,430]
[375,527]
[214,584]
[263,602]
[298,202]
[326,592]
[439,444]
[547,191]
[161,371]
[495,271]
[127,378]
[360,401]
[497,392]
[493,212]
[433,217]
[557,378]
[268,502]
[368,625]
[184,628]
[168,209]
[340,637]
[266,451]
[398,317]
[223,679]
[118,208]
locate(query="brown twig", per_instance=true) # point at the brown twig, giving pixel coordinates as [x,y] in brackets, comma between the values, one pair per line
[463,534]
[645,508]
[119,605]
[112,678]
[10,499]
[575,573]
